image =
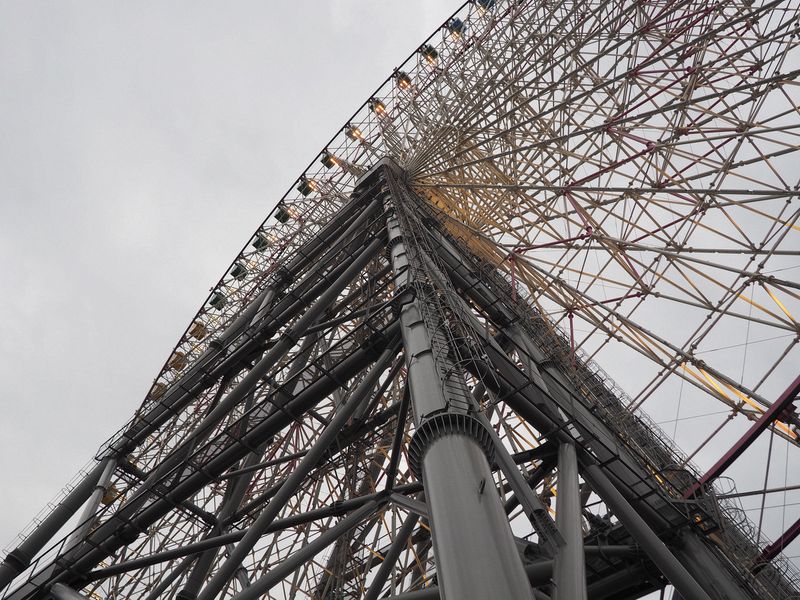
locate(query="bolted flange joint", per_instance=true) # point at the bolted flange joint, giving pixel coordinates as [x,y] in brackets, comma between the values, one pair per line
[17,560]
[444,424]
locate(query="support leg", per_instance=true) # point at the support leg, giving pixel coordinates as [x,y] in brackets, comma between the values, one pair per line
[570,571]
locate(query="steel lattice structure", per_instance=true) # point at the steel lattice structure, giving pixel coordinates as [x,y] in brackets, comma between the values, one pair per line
[394,390]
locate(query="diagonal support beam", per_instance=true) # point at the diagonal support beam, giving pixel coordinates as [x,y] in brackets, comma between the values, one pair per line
[548,531]
[778,545]
[391,557]
[271,578]
[18,559]
[290,486]
[658,552]
[415,506]
[773,413]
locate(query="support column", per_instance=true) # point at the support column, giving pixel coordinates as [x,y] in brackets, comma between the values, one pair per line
[476,557]
[475,553]
[570,570]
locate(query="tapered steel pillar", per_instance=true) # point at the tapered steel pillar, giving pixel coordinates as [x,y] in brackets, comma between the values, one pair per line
[570,571]
[476,557]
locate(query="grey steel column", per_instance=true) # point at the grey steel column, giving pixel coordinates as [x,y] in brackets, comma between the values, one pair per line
[570,570]
[696,555]
[231,501]
[475,553]
[476,557]
[698,559]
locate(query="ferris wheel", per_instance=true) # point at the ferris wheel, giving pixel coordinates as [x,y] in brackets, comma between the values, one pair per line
[593,201]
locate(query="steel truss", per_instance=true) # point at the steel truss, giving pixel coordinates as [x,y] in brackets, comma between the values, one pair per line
[392,391]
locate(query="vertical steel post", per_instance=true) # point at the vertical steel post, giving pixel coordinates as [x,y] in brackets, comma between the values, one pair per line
[570,573]
[475,553]
[476,557]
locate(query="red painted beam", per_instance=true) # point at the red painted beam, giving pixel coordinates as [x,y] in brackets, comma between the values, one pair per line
[771,414]
[778,545]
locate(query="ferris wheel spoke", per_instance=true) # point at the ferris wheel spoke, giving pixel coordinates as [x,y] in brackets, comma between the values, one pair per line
[555,84]
[583,96]
[529,58]
[677,104]
[660,347]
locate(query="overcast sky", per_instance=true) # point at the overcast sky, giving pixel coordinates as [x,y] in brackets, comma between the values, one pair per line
[141,144]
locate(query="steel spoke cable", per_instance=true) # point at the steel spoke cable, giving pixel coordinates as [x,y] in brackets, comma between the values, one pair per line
[632,37]
[675,105]
[669,106]
[650,334]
